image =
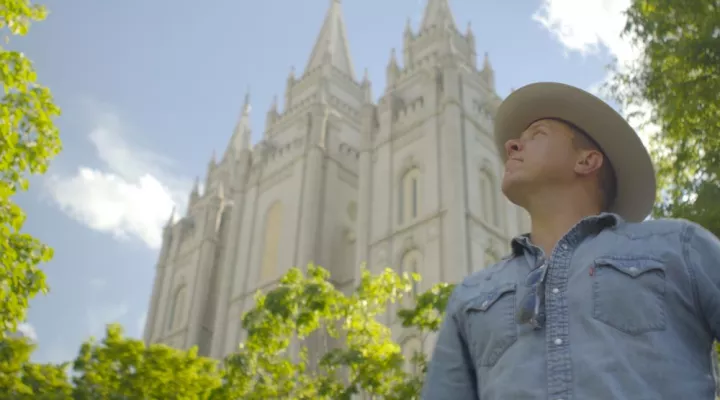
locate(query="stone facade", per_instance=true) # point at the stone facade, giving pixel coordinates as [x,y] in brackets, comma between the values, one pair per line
[410,181]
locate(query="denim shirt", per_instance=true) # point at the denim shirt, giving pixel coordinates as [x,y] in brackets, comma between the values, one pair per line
[631,312]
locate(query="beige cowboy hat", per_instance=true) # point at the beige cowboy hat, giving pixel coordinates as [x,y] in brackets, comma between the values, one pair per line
[636,185]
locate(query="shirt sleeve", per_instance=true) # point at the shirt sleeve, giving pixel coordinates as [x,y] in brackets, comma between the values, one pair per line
[450,374]
[703,256]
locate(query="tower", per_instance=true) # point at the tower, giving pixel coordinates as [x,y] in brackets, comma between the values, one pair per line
[430,199]
[411,183]
[288,201]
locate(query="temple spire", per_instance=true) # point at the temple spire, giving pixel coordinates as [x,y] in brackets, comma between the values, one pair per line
[241,136]
[331,44]
[438,14]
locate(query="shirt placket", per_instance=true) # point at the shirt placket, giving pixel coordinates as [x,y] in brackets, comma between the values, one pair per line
[557,340]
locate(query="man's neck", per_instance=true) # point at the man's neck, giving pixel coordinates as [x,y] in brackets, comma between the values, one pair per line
[553,218]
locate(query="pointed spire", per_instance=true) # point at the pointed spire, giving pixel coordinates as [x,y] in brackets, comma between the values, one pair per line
[367,87]
[171,219]
[288,88]
[437,14]
[194,193]
[242,133]
[487,72]
[291,76]
[272,113]
[393,58]
[331,46]
[246,103]
[486,62]
[408,28]
[393,70]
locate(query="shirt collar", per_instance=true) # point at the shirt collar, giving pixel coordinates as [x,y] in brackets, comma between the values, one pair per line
[592,224]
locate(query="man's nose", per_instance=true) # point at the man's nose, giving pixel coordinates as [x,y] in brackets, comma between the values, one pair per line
[512,146]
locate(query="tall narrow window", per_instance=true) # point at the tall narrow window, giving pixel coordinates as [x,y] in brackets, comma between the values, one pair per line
[271,242]
[489,198]
[401,202]
[409,198]
[414,184]
[177,308]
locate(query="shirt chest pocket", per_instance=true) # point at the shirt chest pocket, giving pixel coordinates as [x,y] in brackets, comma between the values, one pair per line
[629,294]
[490,323]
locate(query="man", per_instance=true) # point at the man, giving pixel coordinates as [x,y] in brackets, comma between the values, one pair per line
[595,303]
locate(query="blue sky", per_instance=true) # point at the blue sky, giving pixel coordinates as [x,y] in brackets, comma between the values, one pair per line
[150,88]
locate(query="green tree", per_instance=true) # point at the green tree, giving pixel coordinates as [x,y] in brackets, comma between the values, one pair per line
[21,379]
[28,140]
[356,351]
[678,75]
[124,368]
[352,351]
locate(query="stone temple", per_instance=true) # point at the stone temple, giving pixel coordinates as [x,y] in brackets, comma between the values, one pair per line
[411,182]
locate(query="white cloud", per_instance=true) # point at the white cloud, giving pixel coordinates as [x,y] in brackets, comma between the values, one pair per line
[27,331]
[132,196]
[588,27]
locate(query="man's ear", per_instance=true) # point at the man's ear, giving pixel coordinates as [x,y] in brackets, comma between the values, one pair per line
[588,162]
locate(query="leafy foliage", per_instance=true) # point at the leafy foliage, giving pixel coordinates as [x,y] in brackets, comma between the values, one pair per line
[123,368]
[28,141]
[306,314]
[355,352]
[679,77]
[21,379]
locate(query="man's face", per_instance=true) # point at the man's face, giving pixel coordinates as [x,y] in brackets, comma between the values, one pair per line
[543,156]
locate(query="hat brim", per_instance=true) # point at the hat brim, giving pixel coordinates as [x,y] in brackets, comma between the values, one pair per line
[636,183]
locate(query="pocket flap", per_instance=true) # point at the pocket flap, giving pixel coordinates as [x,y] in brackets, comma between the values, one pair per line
[633,267]
[485,300]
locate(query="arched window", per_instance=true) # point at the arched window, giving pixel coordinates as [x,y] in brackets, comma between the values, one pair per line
[409,196]
[177,308]
[271,242]
[489,196]
[411,263]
